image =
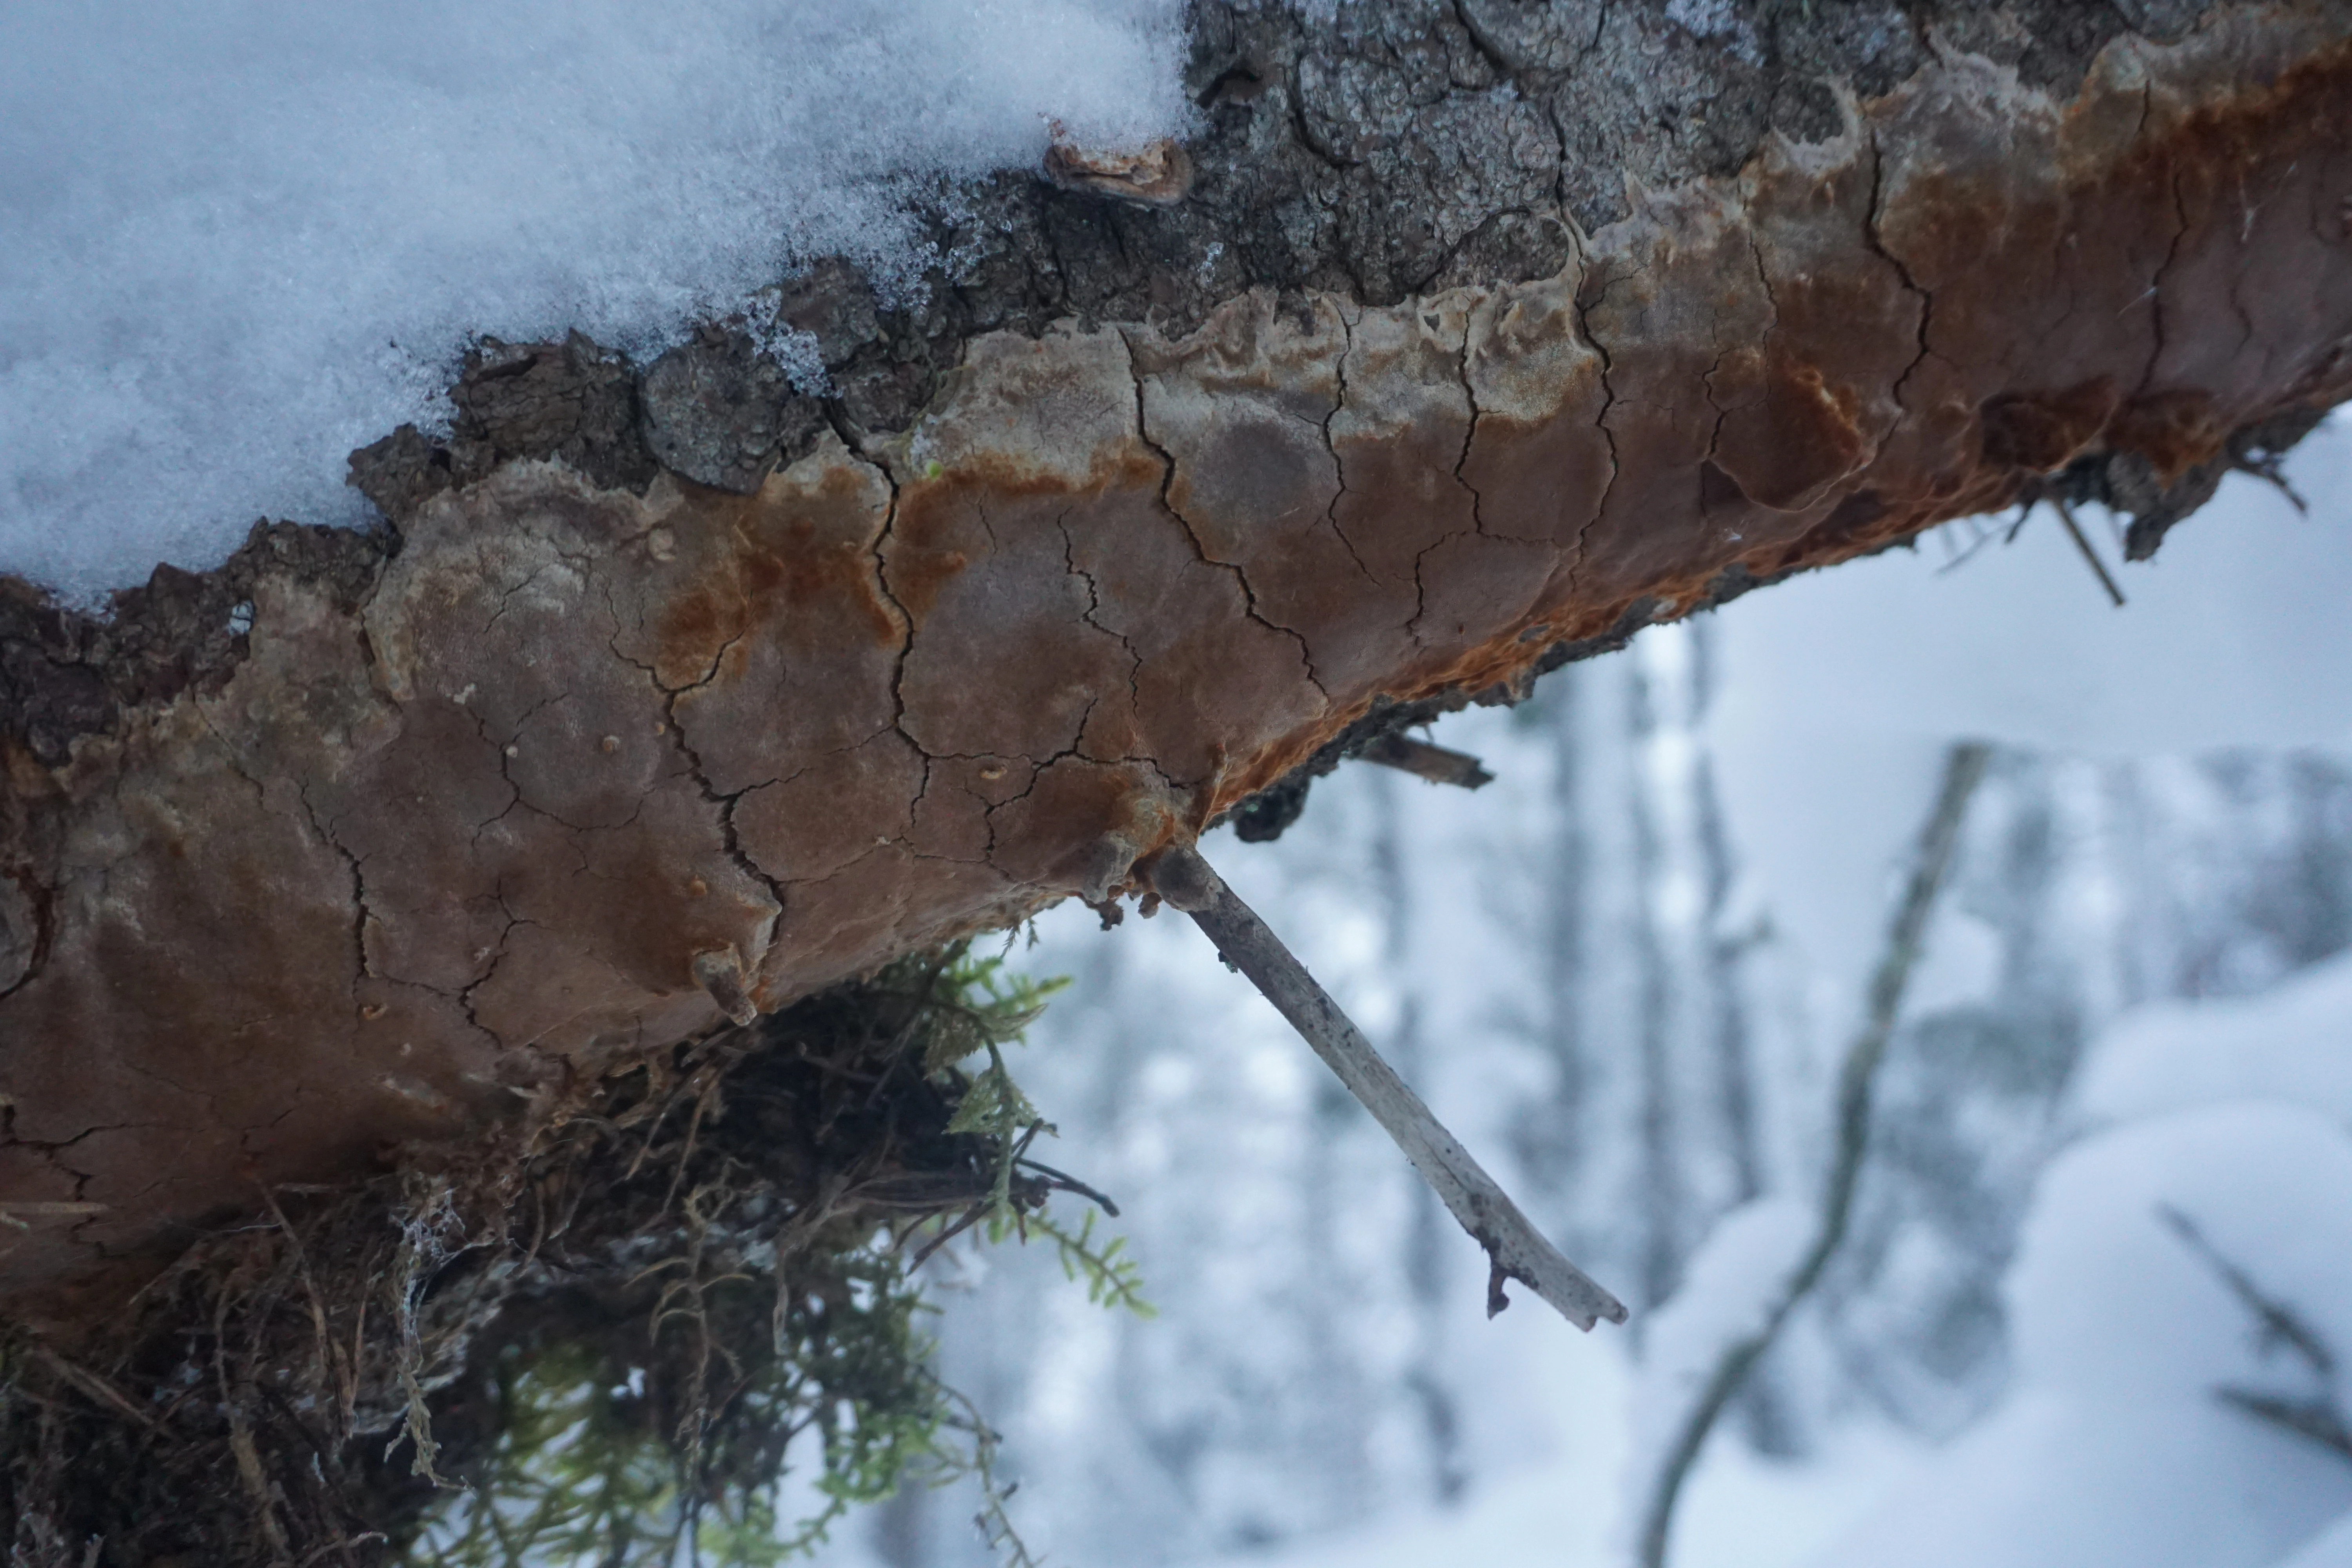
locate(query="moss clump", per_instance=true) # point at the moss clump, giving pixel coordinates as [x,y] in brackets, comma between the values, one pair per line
[604,1336]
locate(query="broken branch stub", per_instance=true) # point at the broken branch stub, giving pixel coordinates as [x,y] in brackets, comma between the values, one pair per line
[1515,1249]
[721,975]
[1438,764]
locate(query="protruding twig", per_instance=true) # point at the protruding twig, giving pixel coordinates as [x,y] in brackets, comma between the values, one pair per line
[720,973]
[1061,1181]
[1955,556]
[2075,533]
[1515,1249]
[1422,760]
[2267,467]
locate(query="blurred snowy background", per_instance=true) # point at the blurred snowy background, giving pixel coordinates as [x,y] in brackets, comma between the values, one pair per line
[1625,973]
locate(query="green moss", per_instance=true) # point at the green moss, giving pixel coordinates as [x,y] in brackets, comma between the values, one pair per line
[665,1433]
[590,1464]
[611,1334]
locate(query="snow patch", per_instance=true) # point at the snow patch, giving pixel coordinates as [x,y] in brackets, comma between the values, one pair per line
[2292,1044]
[246,235]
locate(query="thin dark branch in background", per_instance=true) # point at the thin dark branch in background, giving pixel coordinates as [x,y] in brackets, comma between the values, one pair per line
[2315,1420]
[1963,769]
[1516,1249]
[1979,537]
[1436,763]
[1662,1185]
[2083,543]
[2278,1323]
[2320,1418]
[2269,468]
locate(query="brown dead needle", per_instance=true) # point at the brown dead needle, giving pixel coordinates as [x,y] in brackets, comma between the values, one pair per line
[1515,1249]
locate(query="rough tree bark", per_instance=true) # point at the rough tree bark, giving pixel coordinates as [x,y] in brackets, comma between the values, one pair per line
[1486,333]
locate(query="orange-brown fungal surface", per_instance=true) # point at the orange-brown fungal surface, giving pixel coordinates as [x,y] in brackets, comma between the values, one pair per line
[588,768]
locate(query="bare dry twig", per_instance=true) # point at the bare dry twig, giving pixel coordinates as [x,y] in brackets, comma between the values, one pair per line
[1516,1249]
[1438,764]
[2075,533]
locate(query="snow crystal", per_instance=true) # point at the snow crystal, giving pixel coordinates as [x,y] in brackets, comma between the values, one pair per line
[246,235]
[797,351]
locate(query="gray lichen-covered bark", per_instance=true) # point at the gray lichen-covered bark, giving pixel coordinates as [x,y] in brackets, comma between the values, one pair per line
[1483,336]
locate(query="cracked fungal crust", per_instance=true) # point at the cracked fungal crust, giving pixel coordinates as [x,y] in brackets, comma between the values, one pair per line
[604,750]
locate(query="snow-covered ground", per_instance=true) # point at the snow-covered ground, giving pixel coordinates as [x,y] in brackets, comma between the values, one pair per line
[1745,1512]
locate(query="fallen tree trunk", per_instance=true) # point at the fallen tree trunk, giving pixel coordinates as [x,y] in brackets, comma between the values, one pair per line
[1481,337]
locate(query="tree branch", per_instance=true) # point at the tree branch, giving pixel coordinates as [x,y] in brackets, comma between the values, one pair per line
[2099,567]
[2319,1418]
[1964,768]
[1515,1249]
[1438,764]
